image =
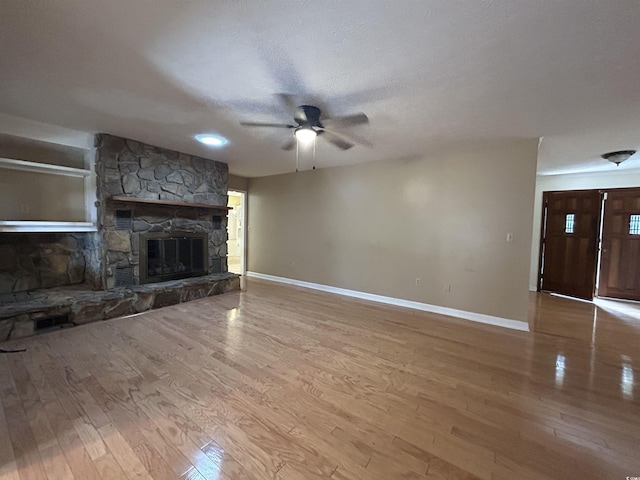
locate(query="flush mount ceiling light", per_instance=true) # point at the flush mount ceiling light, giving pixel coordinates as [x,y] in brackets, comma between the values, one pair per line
[212,140]
[305,135]
[618,157]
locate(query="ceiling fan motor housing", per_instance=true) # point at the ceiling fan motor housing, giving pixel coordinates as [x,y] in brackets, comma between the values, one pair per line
[308,116]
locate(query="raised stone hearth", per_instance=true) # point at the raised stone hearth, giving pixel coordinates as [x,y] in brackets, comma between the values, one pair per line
[19,311]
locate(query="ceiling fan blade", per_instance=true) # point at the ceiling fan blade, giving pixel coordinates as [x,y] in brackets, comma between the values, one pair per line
[290,103]
[290,144]
[259,124]
[338,141]
[350,137]
[346,120]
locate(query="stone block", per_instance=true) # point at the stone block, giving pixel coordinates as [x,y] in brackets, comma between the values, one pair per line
[133,146]
[26,282]
[6,324]
[144,301]
[113,188]
[174,177]
[114,258]
[161,171]
[199,164]
[8,258]
[68,243]
[120,308]
[147,173]
[170,196]
[166,298]
[130,183]
[188,179]
[218,237]
[184,225]
[193,293]
[140,226]
[76,269]
[153,187]
[87,313]
[128,167]
[128,157]
[170,187]
[7,283]
[147,194]
[22,329]
[149,162]
[118,241]
[110,159]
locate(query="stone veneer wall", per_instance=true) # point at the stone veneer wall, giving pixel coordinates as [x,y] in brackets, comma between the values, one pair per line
[129,168]
[44,260]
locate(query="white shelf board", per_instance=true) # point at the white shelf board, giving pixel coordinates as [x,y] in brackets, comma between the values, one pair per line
[12,164]
[17,226]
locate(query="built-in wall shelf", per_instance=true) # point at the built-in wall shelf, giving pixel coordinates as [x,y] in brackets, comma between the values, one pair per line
[168,203]
[37,167]
[20,226]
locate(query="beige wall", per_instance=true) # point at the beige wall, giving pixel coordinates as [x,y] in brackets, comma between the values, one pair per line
[376,227]
[238,183]
[577,181]
[38,196]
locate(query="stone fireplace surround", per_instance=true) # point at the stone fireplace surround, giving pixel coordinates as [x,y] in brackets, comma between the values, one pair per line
[93,276]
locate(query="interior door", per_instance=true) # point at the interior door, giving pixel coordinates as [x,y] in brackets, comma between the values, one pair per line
[620,264]
[570,237]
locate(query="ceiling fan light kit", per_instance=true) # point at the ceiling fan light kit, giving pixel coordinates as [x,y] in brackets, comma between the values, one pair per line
[305,135]
[310,123]
[619,156]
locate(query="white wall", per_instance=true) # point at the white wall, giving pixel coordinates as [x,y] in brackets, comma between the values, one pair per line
[452,210]
[576,181]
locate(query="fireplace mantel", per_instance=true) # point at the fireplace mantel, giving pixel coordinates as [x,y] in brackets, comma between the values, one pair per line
[168,203]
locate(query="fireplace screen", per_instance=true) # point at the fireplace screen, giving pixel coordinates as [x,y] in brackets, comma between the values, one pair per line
[170,256]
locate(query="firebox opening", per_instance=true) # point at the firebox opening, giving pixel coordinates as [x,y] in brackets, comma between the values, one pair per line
[171,256]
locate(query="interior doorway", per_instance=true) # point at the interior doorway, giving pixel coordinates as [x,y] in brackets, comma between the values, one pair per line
[590,243]
[236,232]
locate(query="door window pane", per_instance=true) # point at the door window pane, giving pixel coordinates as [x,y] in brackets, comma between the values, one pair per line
[634,225]
[569,222]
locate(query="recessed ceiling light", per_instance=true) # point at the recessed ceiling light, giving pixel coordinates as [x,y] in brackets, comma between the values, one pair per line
[212,140]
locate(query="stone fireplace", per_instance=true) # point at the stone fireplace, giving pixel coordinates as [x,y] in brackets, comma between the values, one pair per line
[161,239]
[145,191]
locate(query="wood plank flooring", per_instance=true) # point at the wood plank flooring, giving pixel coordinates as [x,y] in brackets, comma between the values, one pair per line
[285,383]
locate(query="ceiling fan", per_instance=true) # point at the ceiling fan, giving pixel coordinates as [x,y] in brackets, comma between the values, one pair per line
[310,123]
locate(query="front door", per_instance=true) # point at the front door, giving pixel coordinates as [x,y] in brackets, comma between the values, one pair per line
[620,264]
[570,237]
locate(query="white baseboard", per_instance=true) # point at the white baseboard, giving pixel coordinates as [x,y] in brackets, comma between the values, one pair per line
[425,307]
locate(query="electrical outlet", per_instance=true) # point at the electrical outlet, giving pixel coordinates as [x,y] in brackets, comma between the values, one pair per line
[418,282]
[447,287]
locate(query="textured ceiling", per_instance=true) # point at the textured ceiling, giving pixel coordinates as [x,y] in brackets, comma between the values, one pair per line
[426,73]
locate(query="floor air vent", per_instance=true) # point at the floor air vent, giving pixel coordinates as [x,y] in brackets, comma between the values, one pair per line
[47,323]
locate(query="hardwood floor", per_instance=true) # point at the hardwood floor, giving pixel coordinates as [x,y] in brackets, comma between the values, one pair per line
[284,383]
